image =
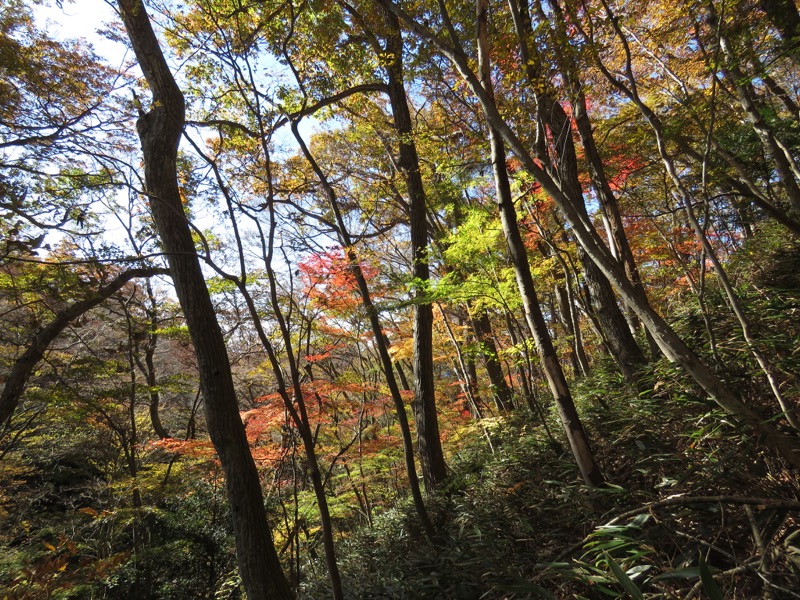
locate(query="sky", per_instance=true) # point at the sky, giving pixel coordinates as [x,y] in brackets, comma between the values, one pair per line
[82,19]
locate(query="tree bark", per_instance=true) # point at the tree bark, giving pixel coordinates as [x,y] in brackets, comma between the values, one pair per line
[482,328]
[149,364]
[160,131]
[533,314]
[434,469]
[566,308]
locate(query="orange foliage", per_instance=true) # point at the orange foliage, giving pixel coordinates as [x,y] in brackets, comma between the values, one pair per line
[329,279]
[189,448]
[620,165]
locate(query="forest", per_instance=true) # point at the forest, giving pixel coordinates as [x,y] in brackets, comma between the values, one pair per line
[400,299]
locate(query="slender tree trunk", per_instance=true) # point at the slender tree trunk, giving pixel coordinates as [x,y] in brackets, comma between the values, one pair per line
[533,314]
[566,311]
[296,407]
[149,364]
[472,380]
[132,434]
[431,455]
[468,382]
[482,328]
[294,401]
[608,202]
[569,305]
[160,131]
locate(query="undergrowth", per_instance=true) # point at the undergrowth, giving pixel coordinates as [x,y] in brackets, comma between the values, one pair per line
[519,523]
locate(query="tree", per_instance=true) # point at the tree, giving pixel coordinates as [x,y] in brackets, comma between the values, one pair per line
[434,470]
[160,130]
[533,315]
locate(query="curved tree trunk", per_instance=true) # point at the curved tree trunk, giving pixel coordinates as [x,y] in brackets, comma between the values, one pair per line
[160,130]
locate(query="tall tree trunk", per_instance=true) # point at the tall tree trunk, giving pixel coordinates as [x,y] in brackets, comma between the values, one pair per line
[608,201]
[381,341]
[431,456]
[149,363]
[482,328]
[535,319]
[160,131]
[519,258]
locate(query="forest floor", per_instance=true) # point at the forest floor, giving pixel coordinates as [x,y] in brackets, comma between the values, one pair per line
[692,509]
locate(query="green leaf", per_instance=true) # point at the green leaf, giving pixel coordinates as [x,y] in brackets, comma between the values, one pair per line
[687,573]
[640,520]
[626,582]
[710,586]
[523,586]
